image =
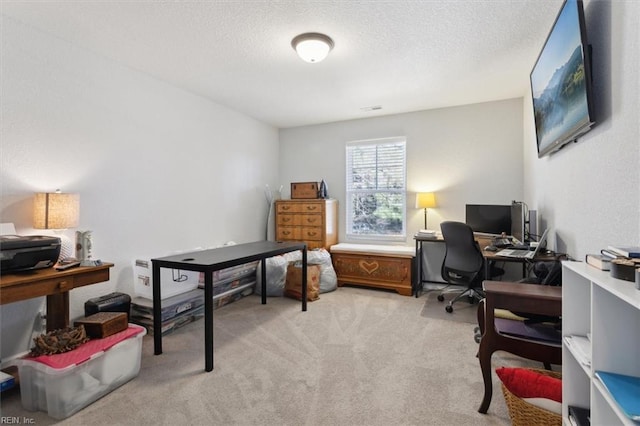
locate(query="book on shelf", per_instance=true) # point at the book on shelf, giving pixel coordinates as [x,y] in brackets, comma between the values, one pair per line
[626,251]
[610,254]
[579,416]
[625,390]
[599,261]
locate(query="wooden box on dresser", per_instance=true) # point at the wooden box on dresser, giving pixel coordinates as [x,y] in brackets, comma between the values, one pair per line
[312,221]
[607,310]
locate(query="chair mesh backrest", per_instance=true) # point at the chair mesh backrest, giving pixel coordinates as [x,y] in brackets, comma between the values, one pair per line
[463,256]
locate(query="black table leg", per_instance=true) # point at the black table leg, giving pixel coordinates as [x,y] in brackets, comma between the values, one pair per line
[157,309]
[304,279]
[208,321]
[263,270]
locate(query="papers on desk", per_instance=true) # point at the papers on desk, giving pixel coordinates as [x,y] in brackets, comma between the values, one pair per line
[580,346]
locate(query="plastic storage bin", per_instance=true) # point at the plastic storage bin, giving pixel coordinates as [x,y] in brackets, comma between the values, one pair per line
[68,382]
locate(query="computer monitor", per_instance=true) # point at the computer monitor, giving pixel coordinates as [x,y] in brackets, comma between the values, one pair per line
[489,218]
[518,221]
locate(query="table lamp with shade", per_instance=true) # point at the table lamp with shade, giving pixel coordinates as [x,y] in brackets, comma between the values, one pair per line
[425,200]
[57,211]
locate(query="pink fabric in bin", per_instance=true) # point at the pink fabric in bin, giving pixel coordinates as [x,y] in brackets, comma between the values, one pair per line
[85,351]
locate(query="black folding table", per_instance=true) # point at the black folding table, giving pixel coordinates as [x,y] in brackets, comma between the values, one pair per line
[211,260]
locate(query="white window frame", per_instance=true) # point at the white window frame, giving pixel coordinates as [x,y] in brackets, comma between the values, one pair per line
[350,192]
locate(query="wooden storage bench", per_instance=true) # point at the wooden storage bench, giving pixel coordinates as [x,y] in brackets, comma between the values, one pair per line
[379,266]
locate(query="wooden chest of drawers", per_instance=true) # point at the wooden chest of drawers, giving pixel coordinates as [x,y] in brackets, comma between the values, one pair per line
[312,221]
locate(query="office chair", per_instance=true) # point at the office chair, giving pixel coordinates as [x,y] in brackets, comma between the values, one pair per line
[463,263]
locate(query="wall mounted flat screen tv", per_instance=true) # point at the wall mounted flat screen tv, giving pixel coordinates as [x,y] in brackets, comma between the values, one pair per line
[561,82]
[488,218]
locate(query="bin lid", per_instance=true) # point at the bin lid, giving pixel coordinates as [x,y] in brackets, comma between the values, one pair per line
[85,351]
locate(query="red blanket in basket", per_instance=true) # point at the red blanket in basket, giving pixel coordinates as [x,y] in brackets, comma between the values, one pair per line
[85,351]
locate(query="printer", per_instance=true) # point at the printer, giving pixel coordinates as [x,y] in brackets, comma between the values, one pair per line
[22,253]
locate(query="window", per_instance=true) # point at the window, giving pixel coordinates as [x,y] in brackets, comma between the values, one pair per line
[376,183]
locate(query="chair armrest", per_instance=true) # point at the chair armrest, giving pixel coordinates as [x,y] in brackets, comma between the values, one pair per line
[522,297]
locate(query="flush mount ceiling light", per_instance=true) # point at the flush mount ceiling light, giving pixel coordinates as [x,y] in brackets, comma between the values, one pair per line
[312,47]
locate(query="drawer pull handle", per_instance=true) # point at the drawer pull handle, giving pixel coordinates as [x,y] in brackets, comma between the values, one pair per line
[286,232]
[286,219]
[312,207]
[312,234]
[286,208]
[63,285]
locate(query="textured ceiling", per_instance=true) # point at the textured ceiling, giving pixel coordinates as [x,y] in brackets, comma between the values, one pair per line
[400,55]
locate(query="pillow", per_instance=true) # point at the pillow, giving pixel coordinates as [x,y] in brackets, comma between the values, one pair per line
[525,383]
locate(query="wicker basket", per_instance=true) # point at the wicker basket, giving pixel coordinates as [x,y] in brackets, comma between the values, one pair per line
[525,414]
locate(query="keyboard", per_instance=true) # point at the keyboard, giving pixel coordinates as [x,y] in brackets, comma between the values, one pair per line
[527,254]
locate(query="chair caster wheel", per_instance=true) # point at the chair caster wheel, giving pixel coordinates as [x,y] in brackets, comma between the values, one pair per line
[448,308]
[440,298]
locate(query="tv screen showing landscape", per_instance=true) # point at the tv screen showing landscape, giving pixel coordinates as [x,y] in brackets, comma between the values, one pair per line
[560,82]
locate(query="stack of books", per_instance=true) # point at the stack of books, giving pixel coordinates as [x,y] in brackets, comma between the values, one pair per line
[426,233]
[603,260]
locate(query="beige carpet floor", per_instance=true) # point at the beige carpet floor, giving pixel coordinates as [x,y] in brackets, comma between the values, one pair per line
[356,357]
[463,311]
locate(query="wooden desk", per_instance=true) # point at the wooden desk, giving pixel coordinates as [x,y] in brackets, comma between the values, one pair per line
[209,261]
[53,284]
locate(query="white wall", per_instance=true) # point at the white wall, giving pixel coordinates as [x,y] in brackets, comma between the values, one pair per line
[588,192]
[157,169]
[468,154]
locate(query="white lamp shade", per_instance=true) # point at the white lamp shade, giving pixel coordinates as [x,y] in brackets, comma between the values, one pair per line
[312,47]
[54,210]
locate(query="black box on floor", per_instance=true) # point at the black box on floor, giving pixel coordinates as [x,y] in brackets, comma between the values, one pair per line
[112,302]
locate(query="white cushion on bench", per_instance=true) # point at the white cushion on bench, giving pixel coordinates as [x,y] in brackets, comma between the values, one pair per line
[374,249]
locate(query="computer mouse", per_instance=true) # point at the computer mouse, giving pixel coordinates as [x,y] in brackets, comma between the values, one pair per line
[491,248]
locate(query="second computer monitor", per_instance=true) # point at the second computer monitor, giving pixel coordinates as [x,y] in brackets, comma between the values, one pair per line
[518,221]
